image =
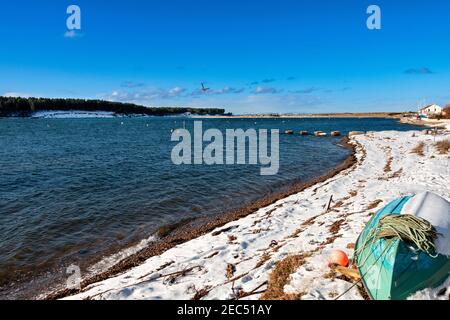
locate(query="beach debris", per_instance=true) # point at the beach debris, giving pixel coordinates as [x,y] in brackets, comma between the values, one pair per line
[215,253]
[239,293]
[264,258]
[355,133]
[273,243]
[199,294]
[336,226]
[335,133]
[216,233]
[353,274]
[338,257]
[171,278]
[329,204]
[231,269]
[231,238]
[280,276]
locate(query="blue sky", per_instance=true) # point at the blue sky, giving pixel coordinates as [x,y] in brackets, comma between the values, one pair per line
[256,56]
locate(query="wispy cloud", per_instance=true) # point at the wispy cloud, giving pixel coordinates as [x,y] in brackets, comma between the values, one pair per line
[131,84]
[423,70]
[290,78]
[146,95]
[306,90]
[267,80]
[228,90]
[266,90]
[173,92]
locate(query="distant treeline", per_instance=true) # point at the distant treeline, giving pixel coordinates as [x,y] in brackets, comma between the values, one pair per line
[25,107]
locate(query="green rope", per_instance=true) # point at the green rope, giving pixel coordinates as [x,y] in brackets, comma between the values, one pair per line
[410,228]
[405,227]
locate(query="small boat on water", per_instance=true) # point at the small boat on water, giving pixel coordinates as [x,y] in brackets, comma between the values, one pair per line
[289,132]
[304,133]
[394,268]
[335,133]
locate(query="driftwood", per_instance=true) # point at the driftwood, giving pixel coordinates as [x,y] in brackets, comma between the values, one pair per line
[351,273]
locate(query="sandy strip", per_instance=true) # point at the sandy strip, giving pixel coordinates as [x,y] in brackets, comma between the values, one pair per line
[237,260]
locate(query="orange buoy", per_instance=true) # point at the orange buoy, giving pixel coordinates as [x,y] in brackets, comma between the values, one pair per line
[338,257]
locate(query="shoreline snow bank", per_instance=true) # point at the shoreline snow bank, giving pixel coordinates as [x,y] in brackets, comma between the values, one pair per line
[78,114]
[240,258]
[72,114]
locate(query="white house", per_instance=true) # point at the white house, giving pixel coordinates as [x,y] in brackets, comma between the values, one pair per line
[432,109]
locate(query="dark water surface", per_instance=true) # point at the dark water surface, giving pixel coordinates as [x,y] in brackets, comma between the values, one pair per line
[75,190]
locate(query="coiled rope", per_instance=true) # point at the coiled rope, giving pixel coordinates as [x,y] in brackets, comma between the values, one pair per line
[407,228]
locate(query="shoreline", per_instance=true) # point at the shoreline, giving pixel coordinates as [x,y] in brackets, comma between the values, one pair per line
[344,115]
[185,231]
[431,123]
[244,254]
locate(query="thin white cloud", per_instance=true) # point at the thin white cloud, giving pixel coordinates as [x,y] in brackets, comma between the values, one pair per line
[143,96]
[420,71]
[306,90]
[266,90]
[228,90]
[173,93]
[131,84]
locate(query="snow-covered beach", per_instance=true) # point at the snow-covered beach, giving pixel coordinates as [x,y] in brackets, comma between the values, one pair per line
[280,251]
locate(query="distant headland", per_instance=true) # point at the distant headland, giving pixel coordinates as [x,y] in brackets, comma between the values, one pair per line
[26,107]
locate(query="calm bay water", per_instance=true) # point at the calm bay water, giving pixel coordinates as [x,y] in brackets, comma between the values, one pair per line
[75,190]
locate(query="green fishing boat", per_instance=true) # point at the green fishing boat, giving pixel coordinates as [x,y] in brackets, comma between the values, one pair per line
[392,268]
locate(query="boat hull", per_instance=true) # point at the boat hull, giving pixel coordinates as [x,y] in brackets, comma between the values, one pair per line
[392,269]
